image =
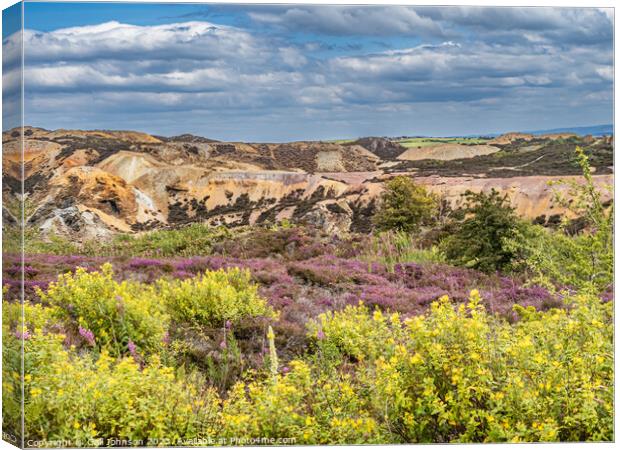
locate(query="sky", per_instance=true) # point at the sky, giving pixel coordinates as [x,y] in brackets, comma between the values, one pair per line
[274,73]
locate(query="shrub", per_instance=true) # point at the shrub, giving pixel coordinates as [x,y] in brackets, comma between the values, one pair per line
[553,258]
[460,374]
[82,400]
[479,239]
[193,239]
[583,261]
[309,407]
[213,298]
[120,315]
[405,206]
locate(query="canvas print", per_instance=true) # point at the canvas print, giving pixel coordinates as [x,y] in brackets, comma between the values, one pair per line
[229,224]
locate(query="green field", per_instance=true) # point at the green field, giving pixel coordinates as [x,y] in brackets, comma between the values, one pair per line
[432,141]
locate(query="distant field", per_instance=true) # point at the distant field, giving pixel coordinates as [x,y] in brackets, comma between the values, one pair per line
[342,141]
[428,142]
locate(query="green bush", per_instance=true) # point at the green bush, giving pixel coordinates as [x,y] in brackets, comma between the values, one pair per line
[213,298]
[118,314]
[584,261]
[193,239]
[479,239]
[405,206]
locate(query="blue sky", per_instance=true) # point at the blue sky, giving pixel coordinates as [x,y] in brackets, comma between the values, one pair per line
[287,72]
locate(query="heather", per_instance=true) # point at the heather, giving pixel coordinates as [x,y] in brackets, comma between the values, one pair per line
[290,331]
[367,377]
[298,288]
[310,336]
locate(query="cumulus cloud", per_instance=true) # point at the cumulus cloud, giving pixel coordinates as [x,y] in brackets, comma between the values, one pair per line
[273,83]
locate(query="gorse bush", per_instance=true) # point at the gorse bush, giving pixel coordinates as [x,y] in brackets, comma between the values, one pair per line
[306,405]
[108,314]
[213,298]
[81,399]
[405,206]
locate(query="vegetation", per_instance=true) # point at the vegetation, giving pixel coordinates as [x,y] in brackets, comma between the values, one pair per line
[522,158]
[193,239]
[479,240]
[503,332]
[405,206]
[370,378]
[390,248]
[583,261]
[213,299]
[418,142]
[119,317]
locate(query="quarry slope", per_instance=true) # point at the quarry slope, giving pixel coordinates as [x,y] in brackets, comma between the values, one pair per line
[91,184]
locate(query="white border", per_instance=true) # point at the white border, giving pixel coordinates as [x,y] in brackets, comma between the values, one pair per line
[502,3]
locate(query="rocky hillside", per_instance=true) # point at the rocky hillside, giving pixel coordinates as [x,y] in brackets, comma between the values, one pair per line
[90,184]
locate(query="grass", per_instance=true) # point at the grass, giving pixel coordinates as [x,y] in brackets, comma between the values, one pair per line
[341,141]
[396,247]
[431,142]
[194,239]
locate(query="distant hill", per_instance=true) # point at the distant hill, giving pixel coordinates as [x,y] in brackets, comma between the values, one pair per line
[594,130]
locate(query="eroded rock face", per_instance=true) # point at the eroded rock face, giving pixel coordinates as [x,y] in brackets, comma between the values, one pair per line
[74,223]
[333,217]
[92,184]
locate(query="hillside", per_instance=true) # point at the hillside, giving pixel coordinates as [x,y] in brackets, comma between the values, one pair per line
[87,184]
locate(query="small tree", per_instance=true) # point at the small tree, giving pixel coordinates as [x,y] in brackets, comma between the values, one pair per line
[585,260]
[405,206]
[479,239]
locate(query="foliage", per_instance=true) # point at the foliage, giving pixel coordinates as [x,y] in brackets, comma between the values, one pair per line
[479,238]
[83,400]
[309,407]
[405,206]
[213,298]
[583,261]
[454,374]
[118,314]
[460,374]
[193,239]
[397,247]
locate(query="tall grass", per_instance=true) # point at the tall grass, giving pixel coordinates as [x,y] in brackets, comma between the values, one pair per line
[194,239]
[397,247]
